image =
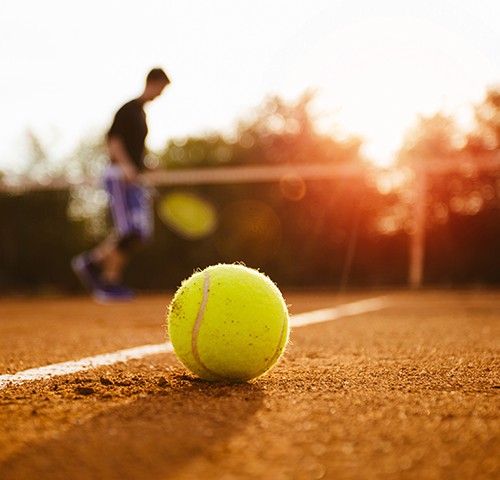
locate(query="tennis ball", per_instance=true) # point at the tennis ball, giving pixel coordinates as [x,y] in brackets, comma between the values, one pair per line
[228,323]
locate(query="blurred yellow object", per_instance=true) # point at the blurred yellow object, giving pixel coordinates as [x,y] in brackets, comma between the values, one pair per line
[188,215]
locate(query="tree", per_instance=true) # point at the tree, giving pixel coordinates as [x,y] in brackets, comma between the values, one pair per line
[277,132]
[434,137]
[486,136]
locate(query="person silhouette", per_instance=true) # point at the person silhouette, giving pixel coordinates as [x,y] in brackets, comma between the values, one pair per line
[101,269]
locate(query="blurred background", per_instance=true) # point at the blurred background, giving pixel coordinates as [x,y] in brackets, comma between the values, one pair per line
[329,145]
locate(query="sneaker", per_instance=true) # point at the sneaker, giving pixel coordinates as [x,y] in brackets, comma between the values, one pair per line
[87,272]
[109,293]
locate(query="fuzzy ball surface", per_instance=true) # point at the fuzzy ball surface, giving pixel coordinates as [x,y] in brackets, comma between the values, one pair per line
[228,323]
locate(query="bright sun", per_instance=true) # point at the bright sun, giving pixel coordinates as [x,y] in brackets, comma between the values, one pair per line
[378,75]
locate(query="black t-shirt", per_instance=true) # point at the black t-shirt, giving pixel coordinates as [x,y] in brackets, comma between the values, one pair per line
[130,126]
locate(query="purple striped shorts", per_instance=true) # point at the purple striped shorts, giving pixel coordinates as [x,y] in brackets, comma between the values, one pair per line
[130,205]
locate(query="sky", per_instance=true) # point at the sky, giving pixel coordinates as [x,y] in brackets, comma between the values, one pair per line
[375,65]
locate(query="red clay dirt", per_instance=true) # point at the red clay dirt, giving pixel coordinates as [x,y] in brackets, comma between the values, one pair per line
[407,392]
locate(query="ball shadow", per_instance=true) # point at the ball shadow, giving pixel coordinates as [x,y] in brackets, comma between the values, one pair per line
[150,437]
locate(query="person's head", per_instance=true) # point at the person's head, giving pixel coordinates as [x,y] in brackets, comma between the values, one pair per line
[156,81]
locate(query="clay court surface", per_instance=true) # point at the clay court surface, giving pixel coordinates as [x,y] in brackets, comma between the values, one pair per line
[410,390]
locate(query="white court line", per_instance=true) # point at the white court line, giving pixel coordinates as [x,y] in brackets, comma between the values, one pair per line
[65,368]
[88,363]
[341,311]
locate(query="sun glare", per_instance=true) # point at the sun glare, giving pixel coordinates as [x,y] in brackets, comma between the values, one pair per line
[378,75]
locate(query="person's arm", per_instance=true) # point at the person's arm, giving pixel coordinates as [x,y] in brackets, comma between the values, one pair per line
[120,156]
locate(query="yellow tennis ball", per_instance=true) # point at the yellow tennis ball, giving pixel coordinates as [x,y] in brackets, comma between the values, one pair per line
[228,323]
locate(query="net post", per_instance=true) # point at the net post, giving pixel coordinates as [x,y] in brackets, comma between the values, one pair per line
[417,238]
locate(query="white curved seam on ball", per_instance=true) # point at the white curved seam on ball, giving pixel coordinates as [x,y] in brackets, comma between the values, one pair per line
[199,319]
[197,325]
[277,352]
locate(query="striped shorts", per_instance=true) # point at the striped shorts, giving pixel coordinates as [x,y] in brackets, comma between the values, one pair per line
[130,205]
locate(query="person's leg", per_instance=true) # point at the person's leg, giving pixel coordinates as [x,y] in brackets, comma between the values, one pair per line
[113,265]
[111,260]
[101,269]
[136,231]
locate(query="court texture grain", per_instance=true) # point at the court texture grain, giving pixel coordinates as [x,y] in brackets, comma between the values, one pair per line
[406,387]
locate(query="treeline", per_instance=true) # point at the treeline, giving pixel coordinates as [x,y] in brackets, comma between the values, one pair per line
[341,232]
